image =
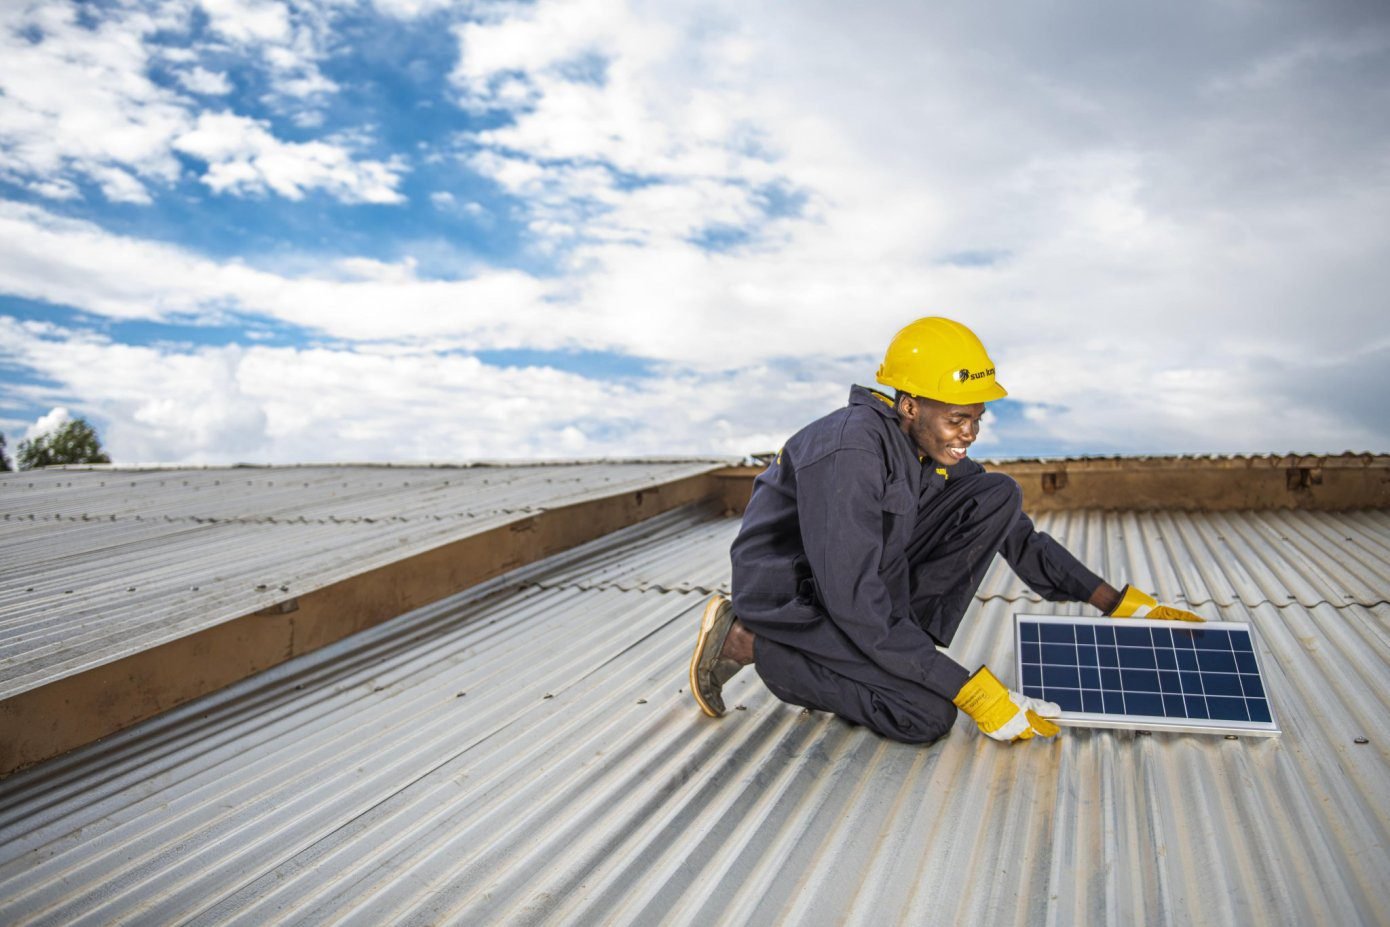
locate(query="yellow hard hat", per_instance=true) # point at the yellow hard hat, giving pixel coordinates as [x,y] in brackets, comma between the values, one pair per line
[940,359]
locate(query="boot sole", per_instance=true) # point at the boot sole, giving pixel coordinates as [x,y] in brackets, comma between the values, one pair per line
[708,620]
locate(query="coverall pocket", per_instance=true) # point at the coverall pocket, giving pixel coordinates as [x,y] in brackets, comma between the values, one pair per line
[899,513]
[899,499]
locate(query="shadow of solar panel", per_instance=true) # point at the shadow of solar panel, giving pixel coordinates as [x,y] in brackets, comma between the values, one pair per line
[1145,675]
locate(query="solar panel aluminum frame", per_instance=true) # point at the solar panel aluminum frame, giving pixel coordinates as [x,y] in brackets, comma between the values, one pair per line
[1136,722]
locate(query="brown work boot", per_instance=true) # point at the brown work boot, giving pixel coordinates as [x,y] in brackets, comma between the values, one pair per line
[711,666]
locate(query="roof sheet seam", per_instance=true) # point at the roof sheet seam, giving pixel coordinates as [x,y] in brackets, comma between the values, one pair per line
[582,586]
[1235,600]
[271,520]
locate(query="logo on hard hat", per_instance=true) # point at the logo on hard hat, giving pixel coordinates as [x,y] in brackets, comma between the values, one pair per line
[962,375]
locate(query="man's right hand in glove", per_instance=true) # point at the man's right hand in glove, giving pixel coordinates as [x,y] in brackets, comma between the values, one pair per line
[1003,714]
[1135,603]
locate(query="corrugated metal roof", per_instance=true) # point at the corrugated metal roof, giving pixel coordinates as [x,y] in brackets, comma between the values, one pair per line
[99,564]
[1229,558]
[526,753]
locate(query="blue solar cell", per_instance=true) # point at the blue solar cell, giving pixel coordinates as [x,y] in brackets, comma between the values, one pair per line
[1093,701]
[1090,677]
[1173,706]
[1136,680]
[1059,653]
[1114,701]
[1028,631]
[1144,703]
[1252,686]
[1105,634]
[1245,662]
[1031,653]
[1241,643]
[1058,634]
[1166,658]
[1168,681]
[1163,637]
[1196,706]
[1190,683]
[1110,679]
[1208,640]
[1259,709]
[1086,655]
[1216,661]
[1137,658]
[1187,659]
[1032,677]
[1068,699]
[1225,708]
[1085,634]
[1108,656]
[1222,684]
[1133,637]
[1060,677]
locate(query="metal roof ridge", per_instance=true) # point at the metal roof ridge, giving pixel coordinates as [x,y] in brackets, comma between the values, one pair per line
[498,462]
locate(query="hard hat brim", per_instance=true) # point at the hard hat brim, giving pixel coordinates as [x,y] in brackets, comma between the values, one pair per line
[985,394]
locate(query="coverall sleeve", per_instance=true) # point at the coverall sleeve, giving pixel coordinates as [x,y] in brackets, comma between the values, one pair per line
[840,508]
[1046,566]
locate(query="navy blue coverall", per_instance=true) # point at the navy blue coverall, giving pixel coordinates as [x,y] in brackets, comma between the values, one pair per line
[856,559]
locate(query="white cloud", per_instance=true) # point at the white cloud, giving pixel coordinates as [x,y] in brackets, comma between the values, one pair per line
[265,404]
[47,424]
[248,21]
[279,404]
[120,186]
[243,157]
[209,83]
[68,262]
[409,9]
[975,139]
[58,188]
[290,40]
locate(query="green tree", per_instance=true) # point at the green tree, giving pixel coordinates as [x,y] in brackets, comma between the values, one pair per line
[4,459]
[76,442]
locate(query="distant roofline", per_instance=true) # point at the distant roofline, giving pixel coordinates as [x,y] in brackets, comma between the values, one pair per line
[1345,459]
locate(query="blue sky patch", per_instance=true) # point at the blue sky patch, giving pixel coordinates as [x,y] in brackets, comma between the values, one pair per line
[594,365]
[589,68]
[974,258]
[719,238]
[180,332]
[780,200]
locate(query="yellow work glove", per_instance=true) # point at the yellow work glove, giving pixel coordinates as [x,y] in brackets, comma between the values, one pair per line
[1136,604]
[1002,713]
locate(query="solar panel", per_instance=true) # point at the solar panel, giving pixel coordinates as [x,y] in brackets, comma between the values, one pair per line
[1145,675]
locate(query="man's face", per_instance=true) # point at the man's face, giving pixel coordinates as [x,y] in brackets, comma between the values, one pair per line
[941,432]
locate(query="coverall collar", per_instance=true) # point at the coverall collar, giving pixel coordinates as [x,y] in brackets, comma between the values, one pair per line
[881,403]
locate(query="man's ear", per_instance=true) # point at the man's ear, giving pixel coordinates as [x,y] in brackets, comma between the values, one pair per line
[904,410]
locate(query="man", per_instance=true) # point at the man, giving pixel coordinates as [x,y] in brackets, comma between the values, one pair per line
[866,539]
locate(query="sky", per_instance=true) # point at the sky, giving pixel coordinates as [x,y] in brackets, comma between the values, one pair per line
[406,230]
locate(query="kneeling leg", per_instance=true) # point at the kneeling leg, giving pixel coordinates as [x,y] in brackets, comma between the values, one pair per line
[892,707]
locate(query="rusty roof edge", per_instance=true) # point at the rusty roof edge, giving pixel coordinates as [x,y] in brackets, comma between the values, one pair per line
[1330,483]
[1348,460]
